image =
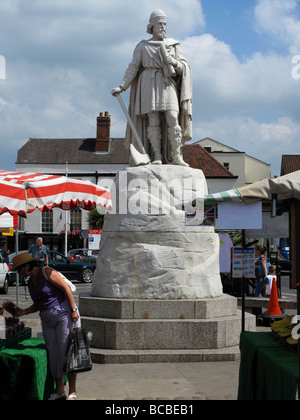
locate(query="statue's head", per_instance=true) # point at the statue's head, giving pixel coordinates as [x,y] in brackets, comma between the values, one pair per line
[156,17]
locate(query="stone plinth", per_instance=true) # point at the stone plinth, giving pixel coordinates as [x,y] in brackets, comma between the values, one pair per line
[133,331]
[147,250]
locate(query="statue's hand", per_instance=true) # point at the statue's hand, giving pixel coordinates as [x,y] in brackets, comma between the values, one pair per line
[170,60]
[117,90]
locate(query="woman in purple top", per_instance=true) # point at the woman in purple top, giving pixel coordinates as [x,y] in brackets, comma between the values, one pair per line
[53,298]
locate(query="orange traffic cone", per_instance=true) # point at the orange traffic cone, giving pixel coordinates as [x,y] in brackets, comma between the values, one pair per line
[274,308]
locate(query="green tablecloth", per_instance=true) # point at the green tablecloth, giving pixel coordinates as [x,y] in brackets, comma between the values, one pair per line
[268,370]
[24,371]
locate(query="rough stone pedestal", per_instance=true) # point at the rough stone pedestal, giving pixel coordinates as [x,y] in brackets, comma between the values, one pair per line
[147,251]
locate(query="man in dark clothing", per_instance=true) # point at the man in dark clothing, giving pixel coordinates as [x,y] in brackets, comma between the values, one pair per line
[41,251]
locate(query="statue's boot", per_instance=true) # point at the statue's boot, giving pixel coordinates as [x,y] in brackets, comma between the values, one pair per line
[175,139]
[155,137]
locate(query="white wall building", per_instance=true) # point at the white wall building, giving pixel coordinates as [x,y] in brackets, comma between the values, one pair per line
[247,168]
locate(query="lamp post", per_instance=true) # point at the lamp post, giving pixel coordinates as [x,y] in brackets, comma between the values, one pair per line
[66,217]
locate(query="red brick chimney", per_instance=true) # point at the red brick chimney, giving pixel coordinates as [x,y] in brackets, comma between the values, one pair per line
[103,133]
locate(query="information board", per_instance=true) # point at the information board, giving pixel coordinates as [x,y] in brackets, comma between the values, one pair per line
[243,264]
[94,239]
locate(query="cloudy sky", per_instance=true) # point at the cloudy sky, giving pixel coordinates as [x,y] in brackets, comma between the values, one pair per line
[63,57]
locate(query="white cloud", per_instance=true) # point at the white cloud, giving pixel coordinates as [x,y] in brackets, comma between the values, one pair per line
[75,50]
[279,19]
[252,103]
[225,85]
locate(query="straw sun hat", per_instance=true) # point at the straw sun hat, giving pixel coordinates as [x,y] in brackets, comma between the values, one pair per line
[22,259]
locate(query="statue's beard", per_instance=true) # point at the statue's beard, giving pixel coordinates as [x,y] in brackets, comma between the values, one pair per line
[162,35]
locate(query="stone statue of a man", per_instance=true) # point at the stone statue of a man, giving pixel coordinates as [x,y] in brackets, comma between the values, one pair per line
[161,95]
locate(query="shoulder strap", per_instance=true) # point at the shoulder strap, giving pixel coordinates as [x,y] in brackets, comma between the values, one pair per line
[44,272]
[70,284]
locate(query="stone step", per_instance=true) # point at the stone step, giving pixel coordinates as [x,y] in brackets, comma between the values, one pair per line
[167,334]
[157,309]
[104,356]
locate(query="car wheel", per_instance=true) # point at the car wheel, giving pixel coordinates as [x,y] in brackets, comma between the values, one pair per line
[4,289]
[87,275]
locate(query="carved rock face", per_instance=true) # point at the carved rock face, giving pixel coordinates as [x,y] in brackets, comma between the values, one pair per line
[147,250]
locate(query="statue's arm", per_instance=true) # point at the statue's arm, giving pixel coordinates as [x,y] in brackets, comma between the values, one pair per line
[131,71]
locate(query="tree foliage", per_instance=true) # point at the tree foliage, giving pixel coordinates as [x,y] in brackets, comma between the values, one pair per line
[95,219]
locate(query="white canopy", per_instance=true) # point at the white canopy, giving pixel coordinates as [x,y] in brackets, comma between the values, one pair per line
[286,187]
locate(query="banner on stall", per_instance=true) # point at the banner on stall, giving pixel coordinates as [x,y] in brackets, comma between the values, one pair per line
[8,221]
[201,217]
[7,224]
[240,215]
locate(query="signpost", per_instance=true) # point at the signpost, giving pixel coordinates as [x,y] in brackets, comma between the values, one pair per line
[243,267]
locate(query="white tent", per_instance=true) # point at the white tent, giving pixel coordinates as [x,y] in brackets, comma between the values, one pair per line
[285,187]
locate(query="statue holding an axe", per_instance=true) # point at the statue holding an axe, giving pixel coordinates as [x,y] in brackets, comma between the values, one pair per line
[160,109]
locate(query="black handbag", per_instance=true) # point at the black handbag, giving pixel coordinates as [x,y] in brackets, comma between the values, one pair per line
[78,358]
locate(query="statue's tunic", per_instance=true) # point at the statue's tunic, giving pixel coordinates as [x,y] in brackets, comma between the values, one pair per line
[155,91]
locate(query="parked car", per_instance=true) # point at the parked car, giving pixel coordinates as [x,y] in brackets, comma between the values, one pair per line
[12,275]
[83,254]
[4,278]
[73,270]
[284,262]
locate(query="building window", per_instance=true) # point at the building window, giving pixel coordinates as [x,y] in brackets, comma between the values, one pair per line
[75,220]
[226,165]
[47,221]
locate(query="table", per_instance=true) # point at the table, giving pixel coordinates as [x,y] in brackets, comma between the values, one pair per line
[268,370]
[24,371]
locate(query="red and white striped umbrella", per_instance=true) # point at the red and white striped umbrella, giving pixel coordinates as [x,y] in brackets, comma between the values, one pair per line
[24,192]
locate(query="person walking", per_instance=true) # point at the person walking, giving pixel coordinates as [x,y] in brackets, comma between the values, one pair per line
[53,298]
[263,267]
[41,251]
[269,280]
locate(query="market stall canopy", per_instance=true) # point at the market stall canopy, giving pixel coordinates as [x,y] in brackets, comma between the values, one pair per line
[222,197]
[286,187]
[24,192]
